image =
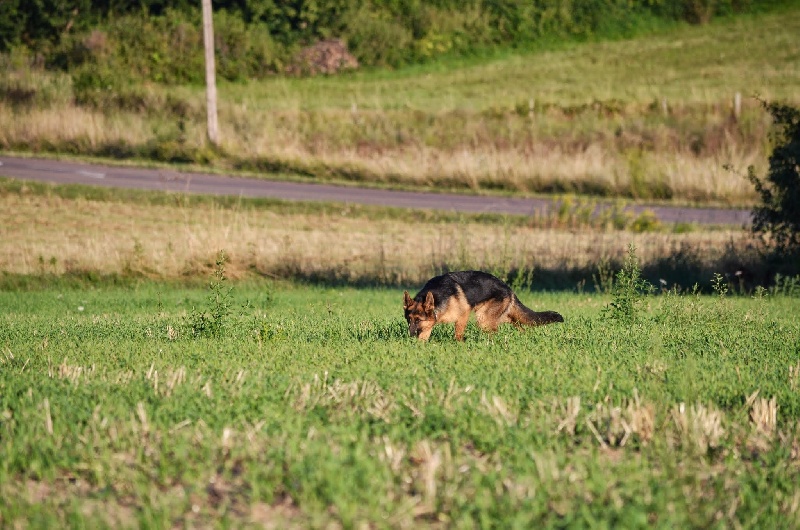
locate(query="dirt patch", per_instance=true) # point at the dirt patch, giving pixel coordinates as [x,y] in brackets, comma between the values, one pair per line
[282,514]
[221,496]
[325,57]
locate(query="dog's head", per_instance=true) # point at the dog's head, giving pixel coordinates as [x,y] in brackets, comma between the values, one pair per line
[419,315]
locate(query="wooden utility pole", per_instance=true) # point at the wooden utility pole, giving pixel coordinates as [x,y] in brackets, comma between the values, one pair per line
[211,81]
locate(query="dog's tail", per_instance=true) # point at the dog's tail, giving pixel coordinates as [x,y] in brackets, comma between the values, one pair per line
[522,315]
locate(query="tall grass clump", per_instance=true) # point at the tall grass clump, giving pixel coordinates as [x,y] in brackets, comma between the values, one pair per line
[89,233]
[785,286]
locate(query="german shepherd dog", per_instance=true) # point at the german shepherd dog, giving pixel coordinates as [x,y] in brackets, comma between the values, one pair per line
[450,298]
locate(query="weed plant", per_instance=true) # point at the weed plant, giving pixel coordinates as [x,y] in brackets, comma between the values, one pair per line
[629,290]
[785,286]
[211,320]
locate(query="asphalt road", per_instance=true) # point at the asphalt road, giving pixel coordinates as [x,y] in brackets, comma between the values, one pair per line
[62,172]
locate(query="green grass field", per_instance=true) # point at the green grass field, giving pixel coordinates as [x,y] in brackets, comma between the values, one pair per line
[309,406]
[142,387]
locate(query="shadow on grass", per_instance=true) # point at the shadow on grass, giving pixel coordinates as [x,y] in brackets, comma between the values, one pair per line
[744,271]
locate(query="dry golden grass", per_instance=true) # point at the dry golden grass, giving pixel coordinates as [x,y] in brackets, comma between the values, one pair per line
[48,234]
[71,124]
[527,161]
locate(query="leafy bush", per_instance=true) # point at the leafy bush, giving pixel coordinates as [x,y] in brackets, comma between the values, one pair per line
[93,85]
[377,40]
[242,51]
[41,22]
[778,216]
[166,49]
[130,49]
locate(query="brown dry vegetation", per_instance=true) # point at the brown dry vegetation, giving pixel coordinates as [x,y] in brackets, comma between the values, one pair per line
[47,234]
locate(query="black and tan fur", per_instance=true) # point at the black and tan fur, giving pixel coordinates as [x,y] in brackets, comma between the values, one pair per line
[451,297]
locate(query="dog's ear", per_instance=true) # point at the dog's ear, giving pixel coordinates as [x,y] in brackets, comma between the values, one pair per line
[428,307]
[407,301]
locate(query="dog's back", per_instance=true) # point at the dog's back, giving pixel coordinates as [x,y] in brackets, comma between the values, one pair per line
[476,286]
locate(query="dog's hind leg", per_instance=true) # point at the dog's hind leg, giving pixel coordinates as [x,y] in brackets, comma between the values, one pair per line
[491,314]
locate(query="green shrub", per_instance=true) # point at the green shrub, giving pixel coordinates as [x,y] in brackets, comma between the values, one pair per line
[165,49]
[647,221]
[377,40]
[235,59]
[778,216]
[93,85]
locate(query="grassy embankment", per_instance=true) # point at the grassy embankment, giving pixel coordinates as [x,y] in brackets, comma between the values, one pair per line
[650,117]
[310,407]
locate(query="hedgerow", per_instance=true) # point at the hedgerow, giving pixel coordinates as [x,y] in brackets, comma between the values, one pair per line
[161,40]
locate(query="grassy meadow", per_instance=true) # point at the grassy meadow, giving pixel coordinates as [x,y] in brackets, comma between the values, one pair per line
[310,407]
[651,117]
[145,381]
[169,360]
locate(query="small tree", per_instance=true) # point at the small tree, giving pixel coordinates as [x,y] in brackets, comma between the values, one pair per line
[778,217]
